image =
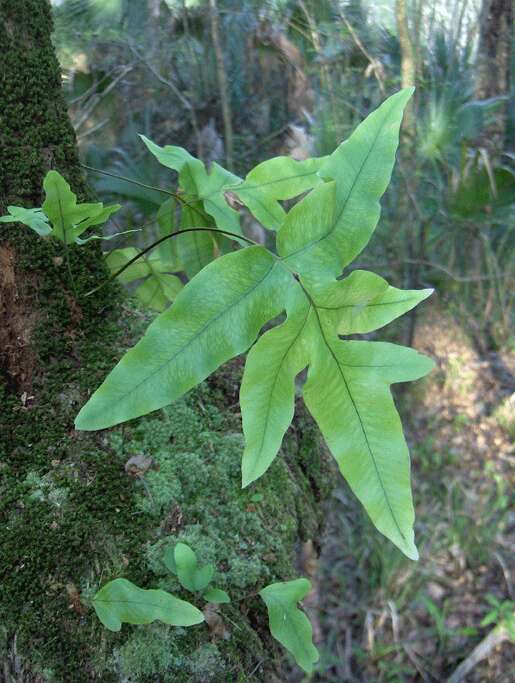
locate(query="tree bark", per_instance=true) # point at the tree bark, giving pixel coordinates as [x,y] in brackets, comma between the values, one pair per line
[493,68]
[408,69]
[35,136]
[222,85]
[48,334]
[70,516]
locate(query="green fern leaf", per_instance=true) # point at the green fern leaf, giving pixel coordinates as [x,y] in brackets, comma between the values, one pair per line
[347,392]
[195,249]
[364,302]
[277,179]
[69,219]
[288,624]
[32,218]
[159,287]
[267,395]
[220,313]
[360,168]
[120,601]
[217,596]
[217,316]
[191,576]
[166,221]
[197,183]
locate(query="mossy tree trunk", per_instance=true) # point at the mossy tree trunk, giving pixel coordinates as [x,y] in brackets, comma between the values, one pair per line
[70,516]
[35,136]
[52,343]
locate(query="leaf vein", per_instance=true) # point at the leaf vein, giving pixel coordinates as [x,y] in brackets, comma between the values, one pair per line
[269,406]
[347,199]
[210,322]
[358,414]
[381,303]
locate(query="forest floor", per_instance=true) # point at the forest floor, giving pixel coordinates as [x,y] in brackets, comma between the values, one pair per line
[384,618]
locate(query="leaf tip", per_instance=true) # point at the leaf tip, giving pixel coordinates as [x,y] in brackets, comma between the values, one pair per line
[86,421]
[249,471]
[429,364]
[412,552]
[246,479]
[147,141]
[403,96]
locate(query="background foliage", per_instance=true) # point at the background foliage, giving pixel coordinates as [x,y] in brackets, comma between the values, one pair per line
[299,76]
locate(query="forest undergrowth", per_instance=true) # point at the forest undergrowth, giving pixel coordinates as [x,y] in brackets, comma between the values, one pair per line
[383,618]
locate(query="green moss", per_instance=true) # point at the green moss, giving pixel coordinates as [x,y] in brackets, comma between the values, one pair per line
[59,491]
[193,492]
[71,517]
[156,653]
[35,130]
[150,651]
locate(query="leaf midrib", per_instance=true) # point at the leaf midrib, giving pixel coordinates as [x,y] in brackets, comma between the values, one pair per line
[273,182]
[145,603]
[358,414]
[198,334]
[364,306]
[269,403]
[291,625]
[347,199]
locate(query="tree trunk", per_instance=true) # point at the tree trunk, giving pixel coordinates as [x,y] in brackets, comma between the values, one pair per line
[48,337]
[408,70]
[71,518]
[35,135]
[408,162]
[225,98]
[493,69]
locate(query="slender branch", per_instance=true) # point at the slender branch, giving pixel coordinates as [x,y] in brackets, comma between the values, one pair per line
[175,195]
[163,239]
[93,88]
[325,75]
[182,99]
[92,130]
[375,64]
[129,180]
[453,276]
[98,97]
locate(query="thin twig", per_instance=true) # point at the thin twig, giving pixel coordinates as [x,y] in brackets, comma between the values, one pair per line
[436,266]
[98,97]
[183,100]
[221,75]
[453,276]
[375,65]
[129,180]
[91,131]
[496,636]
[175,195]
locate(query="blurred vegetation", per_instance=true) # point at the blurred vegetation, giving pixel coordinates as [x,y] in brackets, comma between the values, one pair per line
[299,76]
